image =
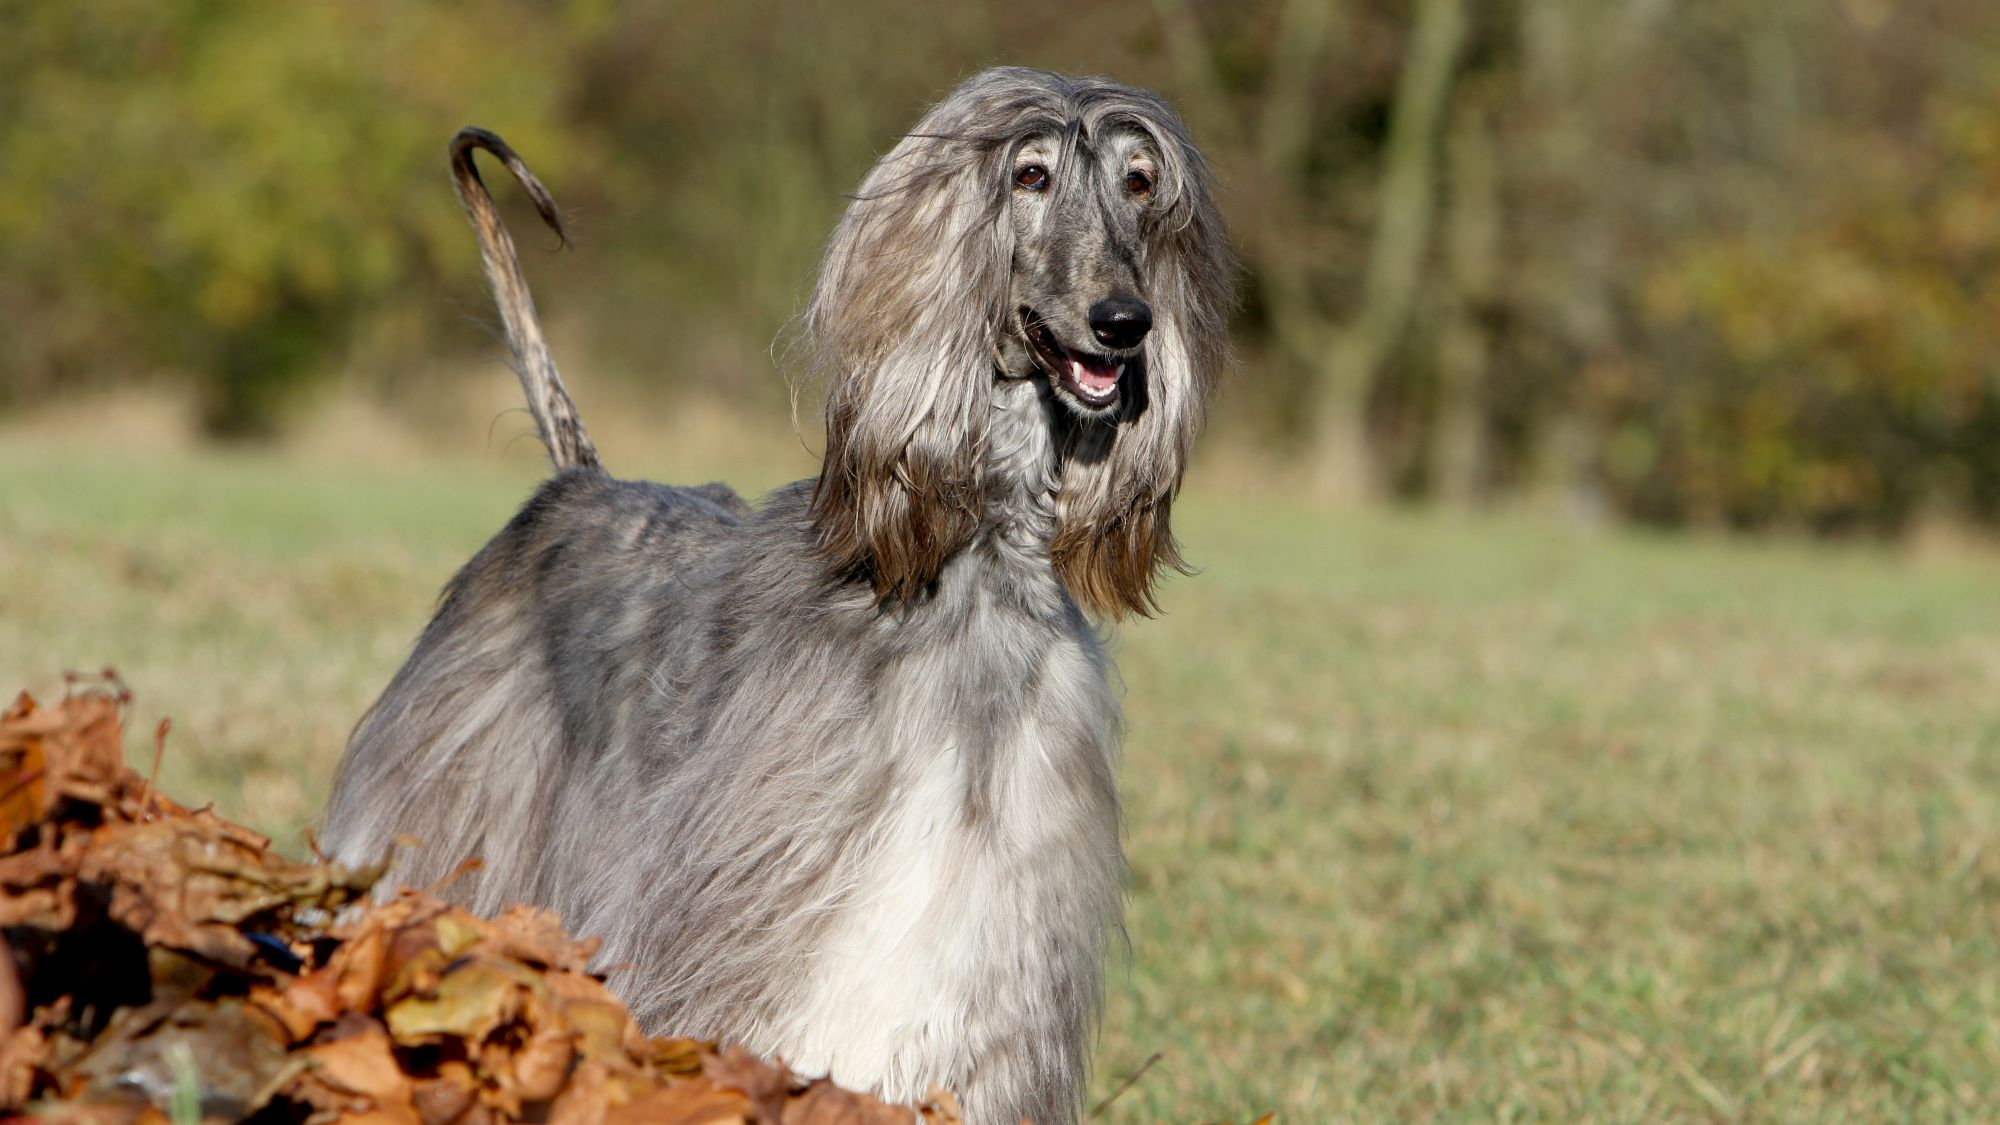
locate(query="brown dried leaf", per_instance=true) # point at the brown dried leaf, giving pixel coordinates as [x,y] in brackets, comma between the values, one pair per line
[696,1102]
[77,747]
[543,1063]
[191,882]
[536,936]
[300,1004]
[469,1003]
[681,1058]
[604,1029]
[38,885]
[22,1056]
[449,1096]
[359,970]
[24,788]
[356,1076]
[768,1085]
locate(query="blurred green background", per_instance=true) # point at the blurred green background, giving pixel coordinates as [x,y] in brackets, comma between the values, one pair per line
[1727,262]
[1486,772]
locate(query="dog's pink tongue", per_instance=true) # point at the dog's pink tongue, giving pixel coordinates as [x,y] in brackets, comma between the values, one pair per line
[1093,375]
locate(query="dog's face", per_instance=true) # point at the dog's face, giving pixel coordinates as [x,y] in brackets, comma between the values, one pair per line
[1035,227]
[1078,283]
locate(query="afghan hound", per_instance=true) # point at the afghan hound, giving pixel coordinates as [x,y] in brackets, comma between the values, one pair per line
[832,776]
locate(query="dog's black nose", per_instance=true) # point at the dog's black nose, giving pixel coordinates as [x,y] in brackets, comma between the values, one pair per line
[1120,322]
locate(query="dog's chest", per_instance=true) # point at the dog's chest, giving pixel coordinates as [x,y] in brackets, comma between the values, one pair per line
[966,875]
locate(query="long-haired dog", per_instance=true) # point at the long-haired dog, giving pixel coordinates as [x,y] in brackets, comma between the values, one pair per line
[832,777]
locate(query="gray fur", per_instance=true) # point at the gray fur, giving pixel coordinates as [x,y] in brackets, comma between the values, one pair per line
[833,777]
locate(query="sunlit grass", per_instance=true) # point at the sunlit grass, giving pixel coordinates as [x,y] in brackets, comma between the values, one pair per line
[1430,818]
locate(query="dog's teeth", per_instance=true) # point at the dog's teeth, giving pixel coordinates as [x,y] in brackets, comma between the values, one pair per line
[1076,371]
[1119,373]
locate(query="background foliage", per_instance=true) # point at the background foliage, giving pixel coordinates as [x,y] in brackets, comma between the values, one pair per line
[1692,261]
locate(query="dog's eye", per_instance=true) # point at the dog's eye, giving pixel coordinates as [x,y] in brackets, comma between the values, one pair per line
[1034,177]
[1138,183]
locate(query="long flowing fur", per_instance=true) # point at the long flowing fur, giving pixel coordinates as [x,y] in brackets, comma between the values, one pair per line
[833,777]
[913,296]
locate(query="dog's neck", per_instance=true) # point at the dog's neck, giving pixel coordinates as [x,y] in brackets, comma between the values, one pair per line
[1022,475]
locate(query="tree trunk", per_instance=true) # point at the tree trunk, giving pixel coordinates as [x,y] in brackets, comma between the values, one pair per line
[1472,240]
[1405,210]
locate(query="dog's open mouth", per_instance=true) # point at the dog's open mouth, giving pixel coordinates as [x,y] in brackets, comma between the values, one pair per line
[1092,380]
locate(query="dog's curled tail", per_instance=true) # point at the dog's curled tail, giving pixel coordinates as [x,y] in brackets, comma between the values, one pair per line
[555,415]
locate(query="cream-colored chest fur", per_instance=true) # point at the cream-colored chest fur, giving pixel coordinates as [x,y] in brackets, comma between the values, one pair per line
[947,888]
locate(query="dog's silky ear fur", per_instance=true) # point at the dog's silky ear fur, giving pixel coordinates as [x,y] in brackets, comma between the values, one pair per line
[911,298]
[1118,483]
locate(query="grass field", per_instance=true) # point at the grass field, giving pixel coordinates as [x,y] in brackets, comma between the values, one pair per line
[1430,818]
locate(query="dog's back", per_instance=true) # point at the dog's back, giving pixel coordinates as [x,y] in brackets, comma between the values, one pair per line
[496,706]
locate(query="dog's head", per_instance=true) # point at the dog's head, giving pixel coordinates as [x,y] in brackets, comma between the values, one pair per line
[1031,227]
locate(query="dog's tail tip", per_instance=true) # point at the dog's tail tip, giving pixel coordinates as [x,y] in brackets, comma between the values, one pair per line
[472,138]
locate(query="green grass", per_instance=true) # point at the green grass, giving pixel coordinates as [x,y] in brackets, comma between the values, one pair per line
[1430,818]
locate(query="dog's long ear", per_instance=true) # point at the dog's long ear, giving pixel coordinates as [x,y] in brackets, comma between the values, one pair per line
[911,297]
[1118,484]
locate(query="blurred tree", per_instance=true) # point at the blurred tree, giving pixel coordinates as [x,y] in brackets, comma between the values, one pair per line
[1405,211]
[223,187]
[1723,261]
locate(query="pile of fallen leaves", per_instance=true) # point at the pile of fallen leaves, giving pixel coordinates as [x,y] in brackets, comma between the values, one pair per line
[163,964]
